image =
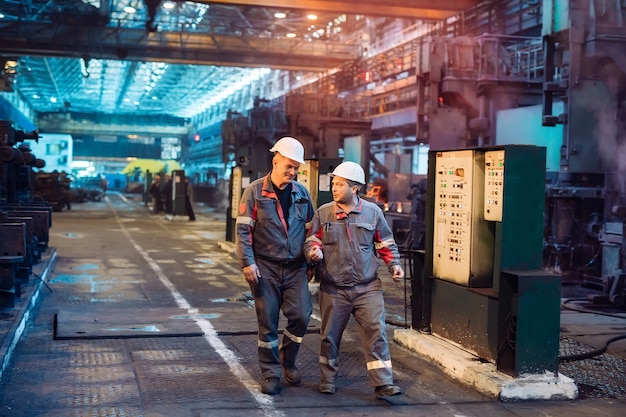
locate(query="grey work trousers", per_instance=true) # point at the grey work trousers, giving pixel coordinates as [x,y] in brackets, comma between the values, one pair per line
[281,287]
[366,303]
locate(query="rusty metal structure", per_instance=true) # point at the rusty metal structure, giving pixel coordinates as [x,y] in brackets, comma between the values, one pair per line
[24,223]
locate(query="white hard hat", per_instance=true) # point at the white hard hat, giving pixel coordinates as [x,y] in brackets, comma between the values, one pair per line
[350,171]
[290,148]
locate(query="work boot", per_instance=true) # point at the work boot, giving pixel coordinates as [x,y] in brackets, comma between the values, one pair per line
[292,375]
[270,386]
[388,390]
[327,388]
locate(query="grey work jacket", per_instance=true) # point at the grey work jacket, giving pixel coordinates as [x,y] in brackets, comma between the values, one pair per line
[261,228]
[352,243]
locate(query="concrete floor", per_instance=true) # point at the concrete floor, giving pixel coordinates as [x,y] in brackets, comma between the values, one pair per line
[147,316]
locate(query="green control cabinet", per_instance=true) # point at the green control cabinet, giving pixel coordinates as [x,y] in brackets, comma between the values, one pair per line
[482,284]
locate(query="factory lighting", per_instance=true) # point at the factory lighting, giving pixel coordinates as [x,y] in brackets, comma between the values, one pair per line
[169,5]
[291,35]
[53,99]
[129,9]
[311,16]
[10,66]
[280,15]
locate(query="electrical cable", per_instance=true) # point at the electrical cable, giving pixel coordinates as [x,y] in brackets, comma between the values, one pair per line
[592,353]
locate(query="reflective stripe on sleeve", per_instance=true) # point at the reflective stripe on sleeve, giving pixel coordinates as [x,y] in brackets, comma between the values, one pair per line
[245,220]
[314,238]
[383,244]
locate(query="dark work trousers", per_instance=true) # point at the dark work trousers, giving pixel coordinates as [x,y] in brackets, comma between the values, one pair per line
[286,288]
[366,303]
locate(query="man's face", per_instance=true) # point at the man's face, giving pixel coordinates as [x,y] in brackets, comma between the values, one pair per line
[342,191]
[285,170]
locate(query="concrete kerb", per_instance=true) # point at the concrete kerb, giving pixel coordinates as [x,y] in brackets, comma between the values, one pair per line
[484,377]
[24,309]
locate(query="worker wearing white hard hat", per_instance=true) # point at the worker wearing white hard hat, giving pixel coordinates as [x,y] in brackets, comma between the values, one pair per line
[350,171]
[348,236]
[290,148]
[274,214]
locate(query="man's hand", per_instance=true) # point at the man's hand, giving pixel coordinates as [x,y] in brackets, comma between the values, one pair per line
[397,273]
[316,254]
[251,274]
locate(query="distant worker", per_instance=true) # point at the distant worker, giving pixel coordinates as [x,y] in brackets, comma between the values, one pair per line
[65,192]
[155,192]
[104,184]
[274,214]
[347,237]
[168,195]
[188,199]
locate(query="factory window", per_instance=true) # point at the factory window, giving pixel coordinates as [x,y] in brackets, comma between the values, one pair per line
[420,159]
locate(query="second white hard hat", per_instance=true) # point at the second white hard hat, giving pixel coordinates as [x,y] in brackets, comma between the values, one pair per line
[290,148]
[350,171]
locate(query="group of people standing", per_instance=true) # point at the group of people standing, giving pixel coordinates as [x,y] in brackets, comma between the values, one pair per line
[162,194]
[281,240]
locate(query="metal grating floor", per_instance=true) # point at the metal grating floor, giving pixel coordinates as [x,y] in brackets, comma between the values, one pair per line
[603,376]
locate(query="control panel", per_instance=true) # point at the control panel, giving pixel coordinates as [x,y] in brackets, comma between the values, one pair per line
[494,185]
[305,175]
[236,190]
[454,215]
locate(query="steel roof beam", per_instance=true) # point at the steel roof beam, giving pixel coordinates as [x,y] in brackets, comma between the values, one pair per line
[42,39]
[410,9]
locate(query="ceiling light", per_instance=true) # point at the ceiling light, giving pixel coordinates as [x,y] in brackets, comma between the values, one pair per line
[53,99]
[1,16]
[291,35]
[280,15]
[169,5]
[10,67]
[311,16]
[129,9]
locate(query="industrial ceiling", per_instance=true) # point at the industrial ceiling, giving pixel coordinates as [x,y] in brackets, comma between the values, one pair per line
[159,57]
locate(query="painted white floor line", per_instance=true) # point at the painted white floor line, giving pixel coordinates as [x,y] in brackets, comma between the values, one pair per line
[265,402]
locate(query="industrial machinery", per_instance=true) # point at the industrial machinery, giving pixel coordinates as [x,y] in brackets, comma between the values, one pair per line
[583,97]
[24,224]
[316,120]
[564,91]
[16,163]
[483,286]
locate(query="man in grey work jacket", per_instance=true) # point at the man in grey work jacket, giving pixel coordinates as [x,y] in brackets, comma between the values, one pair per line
[347,238]
[274,213]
